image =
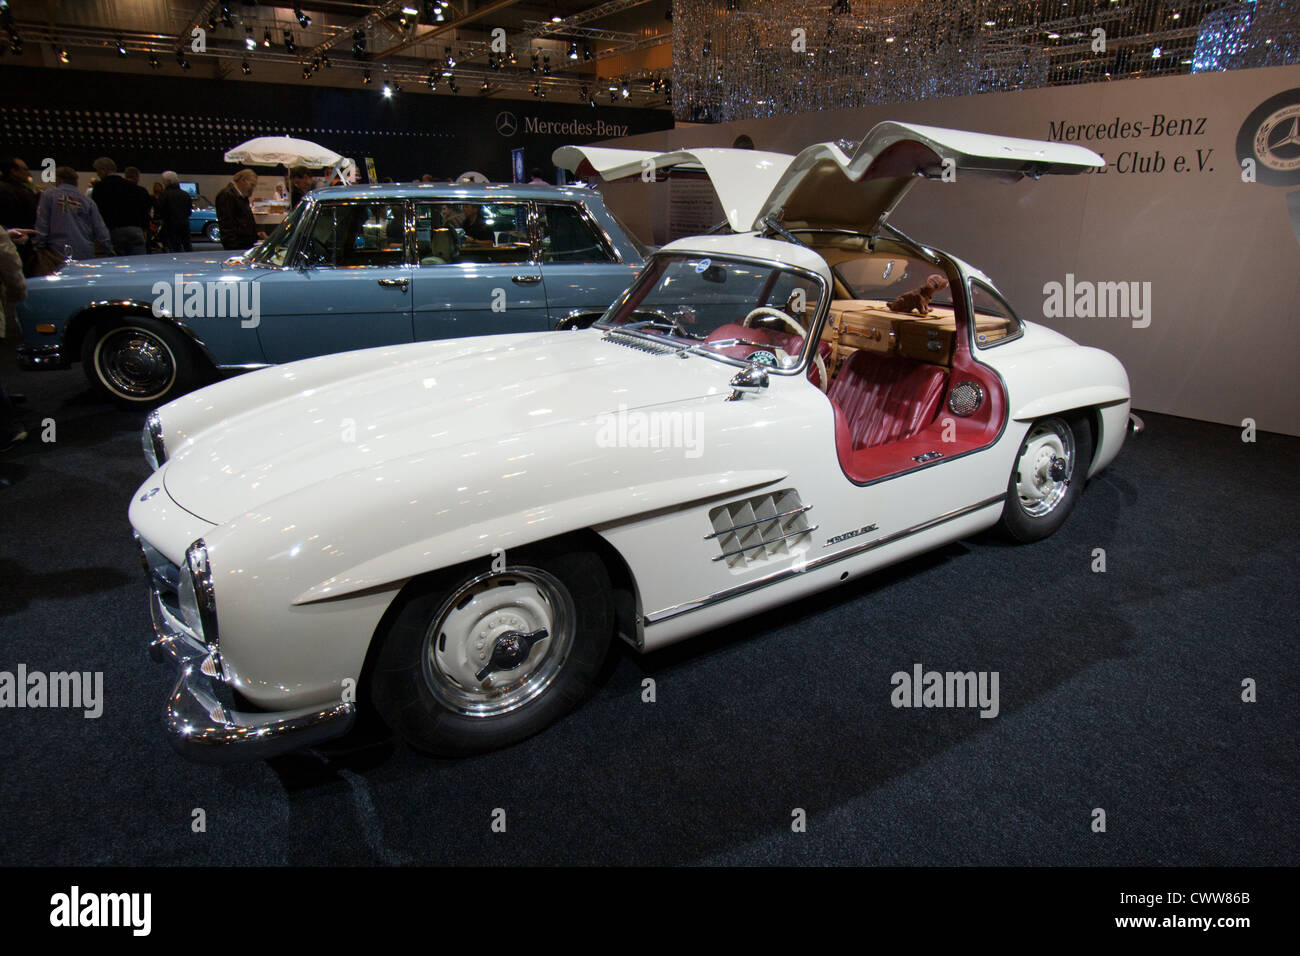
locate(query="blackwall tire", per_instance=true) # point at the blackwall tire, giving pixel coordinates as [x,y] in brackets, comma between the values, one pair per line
[1047,478]
[425,684]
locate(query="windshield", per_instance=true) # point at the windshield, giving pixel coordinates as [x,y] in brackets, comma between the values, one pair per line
[710,303]
[276,246]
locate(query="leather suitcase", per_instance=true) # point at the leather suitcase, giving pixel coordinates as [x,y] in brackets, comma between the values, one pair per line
[869,324]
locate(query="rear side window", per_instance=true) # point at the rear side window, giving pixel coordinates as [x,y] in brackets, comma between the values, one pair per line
[994,321]
[569,236]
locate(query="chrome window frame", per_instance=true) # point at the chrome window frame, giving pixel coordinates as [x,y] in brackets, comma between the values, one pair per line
[971,282]
[813,328]
[318,206]
[530,228]
[602,235]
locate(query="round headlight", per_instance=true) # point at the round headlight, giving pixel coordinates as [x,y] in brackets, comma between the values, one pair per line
[197,600]
[151,441]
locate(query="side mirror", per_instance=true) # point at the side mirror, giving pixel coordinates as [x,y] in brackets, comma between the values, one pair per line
[748,381]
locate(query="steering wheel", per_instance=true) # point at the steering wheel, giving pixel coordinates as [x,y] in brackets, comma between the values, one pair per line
[766,311]
[316,250]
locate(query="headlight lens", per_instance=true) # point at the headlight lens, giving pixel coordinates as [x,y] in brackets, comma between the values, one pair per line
[197,599]
[151,441]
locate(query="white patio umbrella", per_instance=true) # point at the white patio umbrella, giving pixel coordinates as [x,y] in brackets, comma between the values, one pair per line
[282,151]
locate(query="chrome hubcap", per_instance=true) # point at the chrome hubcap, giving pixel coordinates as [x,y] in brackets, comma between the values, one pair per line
[498,641]
[135,363]
[1043,473]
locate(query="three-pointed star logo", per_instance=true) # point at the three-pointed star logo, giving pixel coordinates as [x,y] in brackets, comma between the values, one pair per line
[506,123]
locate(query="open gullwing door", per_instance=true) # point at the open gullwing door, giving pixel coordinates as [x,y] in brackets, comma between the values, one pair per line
[840,185]
[740,177]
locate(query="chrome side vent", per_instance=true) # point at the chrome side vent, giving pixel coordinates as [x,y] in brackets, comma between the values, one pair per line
[760,529]
[640,344]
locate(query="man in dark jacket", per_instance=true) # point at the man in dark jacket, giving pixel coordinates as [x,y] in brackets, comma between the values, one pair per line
[173,208]
[18,203]
[235,212]
[119,204]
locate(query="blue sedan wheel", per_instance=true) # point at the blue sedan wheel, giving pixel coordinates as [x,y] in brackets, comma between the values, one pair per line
[138,361]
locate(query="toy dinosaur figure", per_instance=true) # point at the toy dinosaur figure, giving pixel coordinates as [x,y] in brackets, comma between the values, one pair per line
[918,300]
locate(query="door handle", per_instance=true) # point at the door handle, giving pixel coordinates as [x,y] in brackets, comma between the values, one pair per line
[395,283]
[527,279]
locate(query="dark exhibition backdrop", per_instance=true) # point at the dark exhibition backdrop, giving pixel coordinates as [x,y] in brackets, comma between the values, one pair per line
[187,124]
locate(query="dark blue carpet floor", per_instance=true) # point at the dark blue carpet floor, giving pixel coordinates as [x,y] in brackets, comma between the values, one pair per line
[1119,691]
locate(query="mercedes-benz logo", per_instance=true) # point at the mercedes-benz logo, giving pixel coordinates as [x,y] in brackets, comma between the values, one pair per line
[1271,137]
[506,123]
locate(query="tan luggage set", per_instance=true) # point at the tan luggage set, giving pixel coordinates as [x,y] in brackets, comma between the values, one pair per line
[868,324]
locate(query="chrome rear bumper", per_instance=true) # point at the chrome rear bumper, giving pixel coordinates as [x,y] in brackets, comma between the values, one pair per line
[201,720]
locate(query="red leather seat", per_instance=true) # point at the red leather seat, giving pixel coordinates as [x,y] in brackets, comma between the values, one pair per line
[886,398]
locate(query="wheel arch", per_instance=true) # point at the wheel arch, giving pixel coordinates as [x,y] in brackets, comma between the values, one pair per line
[626,596]
[80,325]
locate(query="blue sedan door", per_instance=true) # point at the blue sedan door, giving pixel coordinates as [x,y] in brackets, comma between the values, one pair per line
[352,288]
[477,273]
[582,270]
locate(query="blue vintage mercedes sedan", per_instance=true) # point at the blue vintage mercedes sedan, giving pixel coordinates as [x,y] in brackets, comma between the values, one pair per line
[351,268]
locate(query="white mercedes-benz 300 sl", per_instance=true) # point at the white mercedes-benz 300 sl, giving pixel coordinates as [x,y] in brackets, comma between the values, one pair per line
[449,534]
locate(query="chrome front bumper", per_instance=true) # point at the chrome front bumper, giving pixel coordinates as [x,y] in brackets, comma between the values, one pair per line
[41,356]
[202,722]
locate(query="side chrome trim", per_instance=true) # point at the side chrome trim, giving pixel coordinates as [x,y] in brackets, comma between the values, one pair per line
[728,593]
[765,542]
[750,524]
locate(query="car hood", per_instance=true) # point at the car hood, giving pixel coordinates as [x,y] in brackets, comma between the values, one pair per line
[437,401]
[841,185]
[139,269]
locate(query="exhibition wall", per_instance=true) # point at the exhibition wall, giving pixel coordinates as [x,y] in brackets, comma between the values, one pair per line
[1214,256]
[187,125]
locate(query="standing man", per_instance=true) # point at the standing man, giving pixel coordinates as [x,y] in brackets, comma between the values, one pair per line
[118,203]
[235,212]
[143,202]
[173,208]
[69,223]
[18,203]
[301,182]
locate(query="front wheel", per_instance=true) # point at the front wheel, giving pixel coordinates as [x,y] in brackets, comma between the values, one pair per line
[1048,477]
[484,657]
[138,361]
[212,231]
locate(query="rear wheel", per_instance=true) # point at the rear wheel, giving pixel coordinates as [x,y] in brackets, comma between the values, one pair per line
[138,361]
[483,658]
[212,231]
[1048,477]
